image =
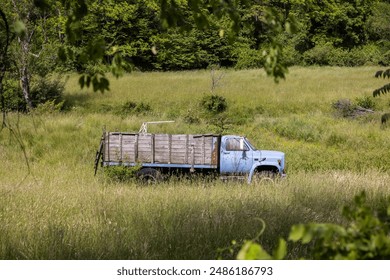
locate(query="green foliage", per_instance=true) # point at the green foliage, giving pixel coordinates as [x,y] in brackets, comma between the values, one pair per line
[247,57]
[47,90]
[121,173]
[343,23]
[45,93]
[324,53]
[191,117]
[130,108]
[366,102]
[366,237]
[378,23]
[254,251]
[213,104]
[13,97]
[386,88]
[94,38]
[383,90]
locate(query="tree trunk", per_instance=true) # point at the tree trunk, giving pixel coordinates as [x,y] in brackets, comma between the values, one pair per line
[25,44]
[25,83]
[3,63]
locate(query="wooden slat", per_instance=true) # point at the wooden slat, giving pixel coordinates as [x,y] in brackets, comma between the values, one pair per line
[164,148]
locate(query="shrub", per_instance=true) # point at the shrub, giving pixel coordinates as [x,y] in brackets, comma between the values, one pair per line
[366,102]
[319,55]
[13,97]
[45,90]
[213,103]
[191,117]
[130,108]
[324,53]
[248,58]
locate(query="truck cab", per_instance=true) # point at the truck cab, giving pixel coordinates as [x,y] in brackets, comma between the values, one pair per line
[238,156]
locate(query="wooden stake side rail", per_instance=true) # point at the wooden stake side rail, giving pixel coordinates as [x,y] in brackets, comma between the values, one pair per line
[121,148]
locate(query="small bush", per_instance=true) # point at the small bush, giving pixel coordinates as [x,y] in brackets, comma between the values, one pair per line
[214,104]
[248,58]
[191,117]
[130,108]
[366,102]
[324,53]
[45,90]
[13,97]
[319,55]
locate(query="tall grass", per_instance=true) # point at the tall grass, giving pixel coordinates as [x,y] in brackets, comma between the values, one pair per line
[57,209]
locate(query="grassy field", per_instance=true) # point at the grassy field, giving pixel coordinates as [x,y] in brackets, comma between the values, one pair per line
[54,208]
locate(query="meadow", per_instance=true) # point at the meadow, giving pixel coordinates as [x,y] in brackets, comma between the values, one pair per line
[53,207]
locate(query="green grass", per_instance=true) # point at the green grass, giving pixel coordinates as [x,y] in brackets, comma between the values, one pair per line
[59,210]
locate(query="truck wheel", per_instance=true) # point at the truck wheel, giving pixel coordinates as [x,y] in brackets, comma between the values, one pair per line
[149,176]
[264,176]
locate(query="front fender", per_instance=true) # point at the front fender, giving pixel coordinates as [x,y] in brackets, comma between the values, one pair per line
[256,165]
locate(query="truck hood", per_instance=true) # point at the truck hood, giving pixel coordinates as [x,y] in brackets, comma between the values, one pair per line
[275,158]
[271,154]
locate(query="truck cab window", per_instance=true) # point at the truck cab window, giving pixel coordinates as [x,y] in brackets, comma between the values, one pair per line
[236,144]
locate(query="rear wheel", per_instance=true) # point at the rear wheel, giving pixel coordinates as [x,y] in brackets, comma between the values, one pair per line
[149,176]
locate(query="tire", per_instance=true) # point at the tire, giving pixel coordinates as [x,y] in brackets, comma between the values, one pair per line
[264,177]
[149,176]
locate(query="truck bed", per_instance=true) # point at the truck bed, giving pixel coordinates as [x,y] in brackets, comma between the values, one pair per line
[161,150]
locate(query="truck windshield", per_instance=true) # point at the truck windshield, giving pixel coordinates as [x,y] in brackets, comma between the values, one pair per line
[250,145]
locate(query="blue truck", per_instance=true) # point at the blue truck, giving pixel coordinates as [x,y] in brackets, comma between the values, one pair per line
[229,156]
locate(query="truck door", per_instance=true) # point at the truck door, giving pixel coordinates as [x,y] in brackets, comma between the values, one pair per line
[236,156]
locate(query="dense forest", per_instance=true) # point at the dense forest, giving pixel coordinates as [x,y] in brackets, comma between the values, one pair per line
[149,35]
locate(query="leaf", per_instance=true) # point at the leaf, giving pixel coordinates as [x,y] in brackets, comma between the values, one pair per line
[104,84]
[42,4]
[62,54]
[307,237]
[383,90]
[81,81]
[19,28]
[252,251]
[88,82]
[280,251]
[297,232]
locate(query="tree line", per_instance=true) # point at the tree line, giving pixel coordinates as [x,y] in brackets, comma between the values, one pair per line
[94,37]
